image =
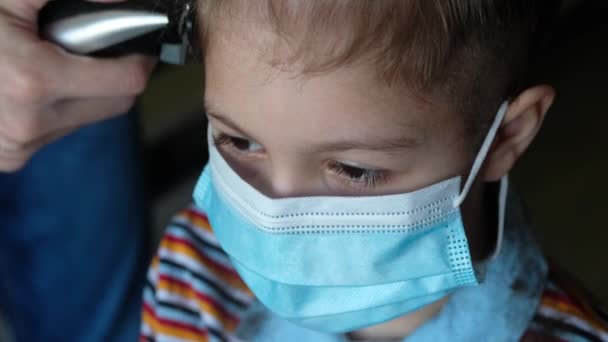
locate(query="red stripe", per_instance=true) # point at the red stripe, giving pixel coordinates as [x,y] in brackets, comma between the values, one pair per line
[563,297]
[175,324]
[150,310]
[202,296]
[223,269]
[196,213]
[144,338]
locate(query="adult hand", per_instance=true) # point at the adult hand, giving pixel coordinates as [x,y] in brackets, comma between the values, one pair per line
[46,93]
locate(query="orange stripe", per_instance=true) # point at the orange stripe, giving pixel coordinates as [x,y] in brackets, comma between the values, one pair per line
[154,263]
[562,297]
[571,309]
[186,291]
[182,247]
[197,219]
[160,326]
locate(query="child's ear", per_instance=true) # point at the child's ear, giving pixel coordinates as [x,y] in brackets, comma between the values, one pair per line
[522,122]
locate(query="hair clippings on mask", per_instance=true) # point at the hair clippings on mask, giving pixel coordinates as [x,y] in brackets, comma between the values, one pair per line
[166,29]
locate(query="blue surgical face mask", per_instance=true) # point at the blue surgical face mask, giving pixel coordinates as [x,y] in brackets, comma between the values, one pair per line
[338,264]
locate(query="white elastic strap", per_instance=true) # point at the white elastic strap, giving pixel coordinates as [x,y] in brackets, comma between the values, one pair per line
[480,266]
[483,152]
[502,209]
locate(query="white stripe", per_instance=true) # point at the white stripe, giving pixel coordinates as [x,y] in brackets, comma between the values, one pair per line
[218,257]
[196,267]
[146,330]
[152,275]
[573,320]
[207,318]
[167,338]
[203,287]
[199,231]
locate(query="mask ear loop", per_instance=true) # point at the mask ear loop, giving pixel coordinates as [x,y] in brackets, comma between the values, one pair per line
[502,206]
[483,153]
[504,182]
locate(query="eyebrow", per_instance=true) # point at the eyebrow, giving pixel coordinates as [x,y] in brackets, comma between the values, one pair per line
[382,145]
[226,121]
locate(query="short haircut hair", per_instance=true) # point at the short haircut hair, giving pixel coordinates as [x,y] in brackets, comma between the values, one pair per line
[472,53]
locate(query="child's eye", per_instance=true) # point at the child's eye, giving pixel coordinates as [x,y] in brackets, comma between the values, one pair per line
[358,176]
[241,145]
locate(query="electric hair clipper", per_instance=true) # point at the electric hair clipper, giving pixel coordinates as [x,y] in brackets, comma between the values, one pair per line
[163,28]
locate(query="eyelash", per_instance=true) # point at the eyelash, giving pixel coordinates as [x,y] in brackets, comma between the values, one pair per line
[351,175]
[357,176]
[232,142]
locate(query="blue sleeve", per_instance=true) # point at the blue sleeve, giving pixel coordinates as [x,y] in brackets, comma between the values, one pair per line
[73,247]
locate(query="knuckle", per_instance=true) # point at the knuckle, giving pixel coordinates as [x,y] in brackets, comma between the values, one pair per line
[139,79]
[25,130]
[12,165]
[13,158]
[125,104]
[28,85]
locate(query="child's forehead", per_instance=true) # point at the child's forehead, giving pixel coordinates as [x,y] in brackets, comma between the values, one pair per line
[348,101]
[250,77]
[451,51]
[255,61]
[254,54]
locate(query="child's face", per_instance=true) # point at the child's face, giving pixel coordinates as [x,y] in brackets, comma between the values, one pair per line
[341,132]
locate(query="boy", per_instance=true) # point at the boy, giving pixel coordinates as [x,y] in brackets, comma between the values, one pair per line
[357,182]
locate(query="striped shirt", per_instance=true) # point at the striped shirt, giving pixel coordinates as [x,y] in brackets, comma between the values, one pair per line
[193,293]
[567,313]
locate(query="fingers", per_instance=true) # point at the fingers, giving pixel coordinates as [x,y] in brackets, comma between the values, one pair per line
[20,131]
[77,76]
[8,164]
[64,75]
[14,156]
[75,113]
[48,92]
[18,145]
